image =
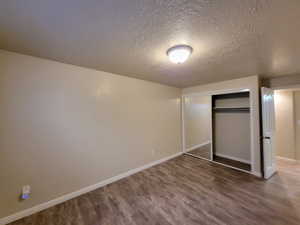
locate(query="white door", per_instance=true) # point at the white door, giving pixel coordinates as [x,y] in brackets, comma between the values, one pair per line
[268,118]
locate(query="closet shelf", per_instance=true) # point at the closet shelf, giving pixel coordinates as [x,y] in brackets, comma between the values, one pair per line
[231,109]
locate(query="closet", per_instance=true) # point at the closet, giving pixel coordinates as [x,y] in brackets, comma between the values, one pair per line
[231,130]
[217,128]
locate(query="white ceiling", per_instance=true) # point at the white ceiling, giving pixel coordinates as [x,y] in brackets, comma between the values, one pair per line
[231,38]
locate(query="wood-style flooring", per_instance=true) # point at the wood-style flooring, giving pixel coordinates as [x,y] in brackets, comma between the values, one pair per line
[183,191]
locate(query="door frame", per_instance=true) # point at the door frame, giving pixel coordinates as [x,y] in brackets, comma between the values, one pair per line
[218,92]
[292,87]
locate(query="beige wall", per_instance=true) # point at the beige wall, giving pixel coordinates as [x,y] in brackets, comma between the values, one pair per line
[65,127]
[281,82]
[297,122]
[251,83]
[197,115]
[285,124]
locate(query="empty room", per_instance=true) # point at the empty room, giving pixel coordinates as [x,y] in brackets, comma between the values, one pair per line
[150,112]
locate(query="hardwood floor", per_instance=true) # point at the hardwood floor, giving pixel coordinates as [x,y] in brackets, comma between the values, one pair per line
[183,191]
[291,167]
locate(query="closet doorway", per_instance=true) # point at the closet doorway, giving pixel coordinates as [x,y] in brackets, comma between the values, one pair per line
[217,127]
[231,130]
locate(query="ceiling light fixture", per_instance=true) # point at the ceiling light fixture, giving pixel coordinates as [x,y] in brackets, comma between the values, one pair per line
[179,53]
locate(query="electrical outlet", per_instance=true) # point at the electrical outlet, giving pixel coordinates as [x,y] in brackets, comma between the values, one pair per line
[25,192]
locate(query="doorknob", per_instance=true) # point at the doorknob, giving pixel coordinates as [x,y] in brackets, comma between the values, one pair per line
[267,137]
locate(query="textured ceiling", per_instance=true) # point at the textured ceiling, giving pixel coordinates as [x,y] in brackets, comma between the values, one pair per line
[231,38]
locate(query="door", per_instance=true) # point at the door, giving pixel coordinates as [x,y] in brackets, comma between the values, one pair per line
[197,126]
[268,119]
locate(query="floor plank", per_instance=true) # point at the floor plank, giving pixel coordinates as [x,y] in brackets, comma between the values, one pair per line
[184,191]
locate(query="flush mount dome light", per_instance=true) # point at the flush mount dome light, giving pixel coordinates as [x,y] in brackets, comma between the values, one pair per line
[179,53]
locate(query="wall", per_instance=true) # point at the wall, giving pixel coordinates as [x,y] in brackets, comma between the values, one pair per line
[197,116]
[289,81]
[65,127]
[285,124]
[297,122]
[251,83]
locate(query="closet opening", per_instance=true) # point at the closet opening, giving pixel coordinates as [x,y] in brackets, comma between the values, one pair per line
[231,130]
[216,127]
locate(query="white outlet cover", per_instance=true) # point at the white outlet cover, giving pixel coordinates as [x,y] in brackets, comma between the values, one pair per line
[25,192]
[26,189]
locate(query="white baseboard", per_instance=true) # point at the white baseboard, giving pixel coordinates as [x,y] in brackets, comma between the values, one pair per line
[257,174]
[288,159]
[43,206]
[197,146]
[233,158]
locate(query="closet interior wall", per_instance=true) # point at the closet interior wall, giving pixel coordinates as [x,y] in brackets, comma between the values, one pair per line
[231,130]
